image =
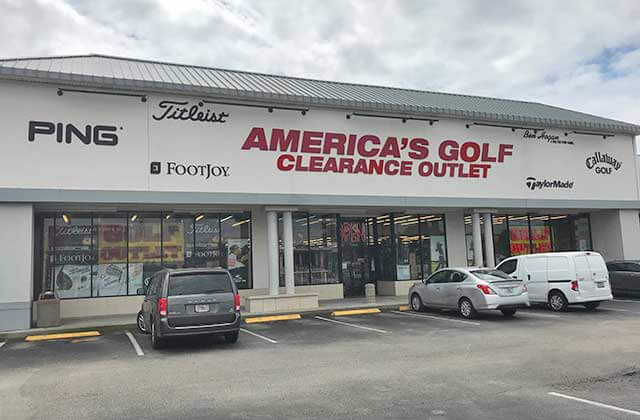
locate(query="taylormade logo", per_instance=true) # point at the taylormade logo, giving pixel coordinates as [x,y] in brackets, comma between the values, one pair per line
[534,184]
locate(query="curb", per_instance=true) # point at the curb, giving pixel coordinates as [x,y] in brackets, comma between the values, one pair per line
[309,313]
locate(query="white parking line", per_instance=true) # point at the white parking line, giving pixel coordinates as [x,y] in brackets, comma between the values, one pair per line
[604,308]
[351,325]
[540,315]
[271,340]
[135,344]
[597,404]
[437,317]
[2,344]
[627,301]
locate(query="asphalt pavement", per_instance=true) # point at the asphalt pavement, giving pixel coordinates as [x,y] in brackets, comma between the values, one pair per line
[394,364]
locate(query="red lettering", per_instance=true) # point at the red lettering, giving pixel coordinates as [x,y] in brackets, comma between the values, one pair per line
[388,167]
[331,165]
[405,167]
[362,143]
[472,147]
[390,148]
[300,165]
[311,142]
[442,169]
[425,168]
[282,162]
[376,166]
[419,148]
[504,150]
[485,153]
[361,167]
[315,163]
[351,147]
[335,141]
[346,165]
[448,150]
[256,138]
[288,143]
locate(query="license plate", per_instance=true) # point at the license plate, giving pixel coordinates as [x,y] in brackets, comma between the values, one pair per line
[202,308]
[600,284]
[509,290]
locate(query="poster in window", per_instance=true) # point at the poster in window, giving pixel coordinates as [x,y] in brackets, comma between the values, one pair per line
[110,280]
[238,259]
[438,252]
[519,240]
[541,239]
[135,277]
[73,281]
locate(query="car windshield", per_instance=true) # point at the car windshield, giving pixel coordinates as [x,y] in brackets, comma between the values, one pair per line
[199,283]
[490,275]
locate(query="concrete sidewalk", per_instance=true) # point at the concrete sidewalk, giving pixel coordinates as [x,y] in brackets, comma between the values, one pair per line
[129,320]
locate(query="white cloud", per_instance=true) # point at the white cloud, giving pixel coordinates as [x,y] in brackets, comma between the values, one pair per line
[575,53]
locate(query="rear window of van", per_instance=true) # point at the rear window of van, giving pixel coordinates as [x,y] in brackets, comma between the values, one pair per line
[199,283]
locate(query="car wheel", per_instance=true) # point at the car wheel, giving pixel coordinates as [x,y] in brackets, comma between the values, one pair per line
[557,302]
[508,312]
[416,303]
[156,342]
[140,323]
[592,306]
[466,309]
[231,337]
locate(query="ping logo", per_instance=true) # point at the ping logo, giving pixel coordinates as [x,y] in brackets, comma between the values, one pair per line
[100,135]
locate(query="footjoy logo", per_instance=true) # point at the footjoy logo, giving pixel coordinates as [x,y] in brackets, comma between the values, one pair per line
[205,170]
[534,184]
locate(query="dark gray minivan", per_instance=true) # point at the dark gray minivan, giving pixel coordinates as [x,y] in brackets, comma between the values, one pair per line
[190,301]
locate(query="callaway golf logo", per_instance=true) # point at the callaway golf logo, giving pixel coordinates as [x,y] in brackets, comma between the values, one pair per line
[533,184]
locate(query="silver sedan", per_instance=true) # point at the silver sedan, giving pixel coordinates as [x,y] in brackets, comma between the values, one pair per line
[469,290]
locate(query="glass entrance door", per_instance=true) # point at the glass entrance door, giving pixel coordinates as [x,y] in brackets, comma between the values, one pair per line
[355,256]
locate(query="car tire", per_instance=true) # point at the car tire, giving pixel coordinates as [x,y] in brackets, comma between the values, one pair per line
[416,303]
[557,301]
[156,342]
[231,337]
[466,309]
[592,306]
[508,312]
[140,323]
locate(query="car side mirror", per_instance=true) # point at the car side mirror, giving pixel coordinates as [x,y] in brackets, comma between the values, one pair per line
[140,291]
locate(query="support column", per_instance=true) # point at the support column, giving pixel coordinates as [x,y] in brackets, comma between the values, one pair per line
[272,252]
[488,240]
[287,231]
[477,240]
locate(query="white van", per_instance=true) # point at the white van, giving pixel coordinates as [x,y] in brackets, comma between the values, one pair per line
[562,278]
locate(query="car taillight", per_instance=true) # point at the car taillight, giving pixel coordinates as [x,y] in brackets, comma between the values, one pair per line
[574,285]
[163,305]
[486,289]
[236,298]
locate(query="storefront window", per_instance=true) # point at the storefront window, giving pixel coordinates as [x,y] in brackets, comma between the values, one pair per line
[582,231]
[74,256]
[384,249]
[409,255]
[500,238]
[235,240]
[110,255]
[145,248]
[434,244]
[110,272]
[540,234]
[323,245]
[519,243]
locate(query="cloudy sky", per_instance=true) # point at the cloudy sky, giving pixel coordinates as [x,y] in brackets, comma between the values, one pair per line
[579,54]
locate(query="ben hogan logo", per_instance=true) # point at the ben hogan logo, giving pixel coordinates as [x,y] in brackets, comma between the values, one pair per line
[534,184]
[205,170]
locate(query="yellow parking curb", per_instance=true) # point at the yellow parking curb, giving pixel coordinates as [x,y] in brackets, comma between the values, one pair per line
[403,308]
[62,335]
[271,318]
[356,312]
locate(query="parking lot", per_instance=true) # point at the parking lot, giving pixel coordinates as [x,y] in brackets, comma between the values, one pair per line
[393,364]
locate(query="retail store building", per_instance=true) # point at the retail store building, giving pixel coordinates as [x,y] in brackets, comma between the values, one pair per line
[111,168]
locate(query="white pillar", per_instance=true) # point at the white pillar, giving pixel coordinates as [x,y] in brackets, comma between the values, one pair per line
[272,251]
[477,240]
[287,232]
[488,240]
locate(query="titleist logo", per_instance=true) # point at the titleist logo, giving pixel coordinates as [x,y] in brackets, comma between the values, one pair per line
[175,110]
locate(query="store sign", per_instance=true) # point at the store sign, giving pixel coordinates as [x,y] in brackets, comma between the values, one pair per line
[101,135]
[603,163]
[369,154]
[178,144]
[185,111]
